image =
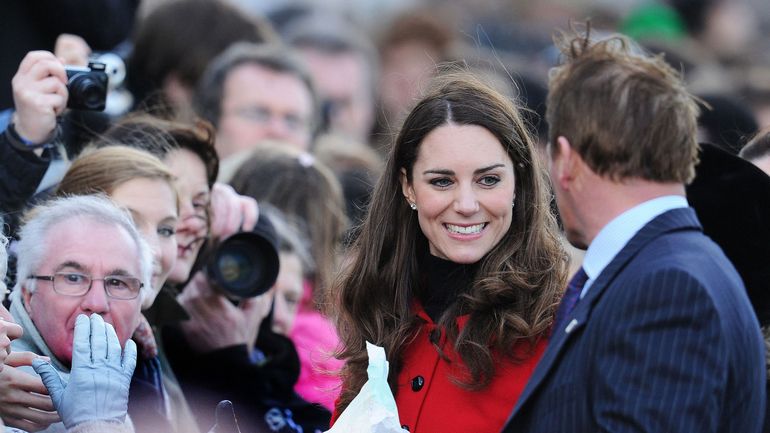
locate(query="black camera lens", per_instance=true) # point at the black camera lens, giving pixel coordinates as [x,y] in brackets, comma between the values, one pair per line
[87,91]
[87,87]
[246,264]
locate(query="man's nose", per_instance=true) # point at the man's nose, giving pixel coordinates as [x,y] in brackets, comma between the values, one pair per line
[96,300]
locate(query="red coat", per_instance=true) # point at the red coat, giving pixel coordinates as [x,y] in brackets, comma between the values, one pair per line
[428,401]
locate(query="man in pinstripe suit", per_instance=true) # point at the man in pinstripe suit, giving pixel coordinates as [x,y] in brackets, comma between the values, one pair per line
[658,335]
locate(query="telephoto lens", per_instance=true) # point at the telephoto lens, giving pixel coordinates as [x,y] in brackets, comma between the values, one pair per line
[246,264]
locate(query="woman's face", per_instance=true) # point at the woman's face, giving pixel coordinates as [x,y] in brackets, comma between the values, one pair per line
[194,196]
[153,206]
[288,293]
[463,185]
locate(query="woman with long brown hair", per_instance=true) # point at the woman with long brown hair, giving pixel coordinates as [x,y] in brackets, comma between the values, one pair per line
[458,267]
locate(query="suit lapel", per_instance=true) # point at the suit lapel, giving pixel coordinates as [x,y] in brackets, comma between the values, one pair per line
[673,220]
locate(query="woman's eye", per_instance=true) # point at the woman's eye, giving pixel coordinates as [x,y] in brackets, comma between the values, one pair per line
[166,232]
[441,182]
[489,180]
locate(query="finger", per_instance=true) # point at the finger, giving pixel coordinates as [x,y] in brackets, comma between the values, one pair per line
[19,359]
[13,330]
[32,58]
[249,213]
[49,85]
[55,101]
[129,358]
[98,338]
[81,344]
[27,383]
[48,67]
[5,314]
[25,425]
[113,344]
[51,380]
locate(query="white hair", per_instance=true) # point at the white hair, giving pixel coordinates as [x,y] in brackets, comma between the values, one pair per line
[98,209]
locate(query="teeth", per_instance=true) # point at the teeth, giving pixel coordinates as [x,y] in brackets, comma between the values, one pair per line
[465,230]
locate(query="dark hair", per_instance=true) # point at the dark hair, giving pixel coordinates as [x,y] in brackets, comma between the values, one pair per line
[278,58]
[518,284]
[626,115]
[181,37]
[161,136]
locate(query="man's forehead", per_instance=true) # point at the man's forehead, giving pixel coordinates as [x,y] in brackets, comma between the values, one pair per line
[86,244]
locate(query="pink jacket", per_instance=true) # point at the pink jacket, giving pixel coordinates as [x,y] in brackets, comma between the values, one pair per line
[316,340]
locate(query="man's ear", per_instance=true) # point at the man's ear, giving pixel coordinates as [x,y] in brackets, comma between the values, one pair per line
[406,188]
[566,162]
[26,295]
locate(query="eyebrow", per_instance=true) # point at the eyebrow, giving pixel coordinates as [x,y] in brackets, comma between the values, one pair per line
[451,172]
[71,264]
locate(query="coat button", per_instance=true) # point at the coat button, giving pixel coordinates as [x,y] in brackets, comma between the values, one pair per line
[405,427]
[417,383]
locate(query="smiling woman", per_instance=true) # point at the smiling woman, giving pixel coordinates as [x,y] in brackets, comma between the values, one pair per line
[458,266]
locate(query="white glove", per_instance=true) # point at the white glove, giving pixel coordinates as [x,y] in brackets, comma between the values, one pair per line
[100,377]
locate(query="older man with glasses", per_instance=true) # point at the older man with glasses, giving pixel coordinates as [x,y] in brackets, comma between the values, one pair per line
[77,256]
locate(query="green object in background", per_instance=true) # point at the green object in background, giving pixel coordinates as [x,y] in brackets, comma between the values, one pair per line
[653,21]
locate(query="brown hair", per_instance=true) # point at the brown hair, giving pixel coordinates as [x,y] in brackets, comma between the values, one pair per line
[209,93]
[103,170]
[161,136]
[626,115]
[163,41]
[517,286]
[303,187]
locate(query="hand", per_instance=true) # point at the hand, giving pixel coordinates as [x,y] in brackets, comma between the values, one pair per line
[216,323]
[72,50]
[100,377]
[231,212]
[39,95]
[24,400]
[8,331]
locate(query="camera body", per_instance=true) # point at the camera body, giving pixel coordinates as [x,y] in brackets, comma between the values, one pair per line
[245,264]
[87,86]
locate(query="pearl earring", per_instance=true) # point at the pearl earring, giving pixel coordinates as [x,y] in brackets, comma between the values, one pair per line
[413,206]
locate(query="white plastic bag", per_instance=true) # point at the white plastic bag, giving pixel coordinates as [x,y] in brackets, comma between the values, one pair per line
[373,410]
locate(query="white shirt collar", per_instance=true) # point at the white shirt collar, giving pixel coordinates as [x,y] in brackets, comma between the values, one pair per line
[616,234]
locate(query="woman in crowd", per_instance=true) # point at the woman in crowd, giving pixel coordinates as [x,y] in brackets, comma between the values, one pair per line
[458,267]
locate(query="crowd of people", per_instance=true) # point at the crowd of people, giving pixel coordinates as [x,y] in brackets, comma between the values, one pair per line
[547,226]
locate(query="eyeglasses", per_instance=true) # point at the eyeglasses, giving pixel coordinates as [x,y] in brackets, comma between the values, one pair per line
[263,116]
[73,284]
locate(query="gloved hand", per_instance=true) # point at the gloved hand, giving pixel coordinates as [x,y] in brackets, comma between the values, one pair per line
[100,376]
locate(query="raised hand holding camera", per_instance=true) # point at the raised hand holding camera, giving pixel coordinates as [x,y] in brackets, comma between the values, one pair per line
[40,95]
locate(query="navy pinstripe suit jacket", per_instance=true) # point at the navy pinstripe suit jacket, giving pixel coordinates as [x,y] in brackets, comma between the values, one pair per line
[665,340]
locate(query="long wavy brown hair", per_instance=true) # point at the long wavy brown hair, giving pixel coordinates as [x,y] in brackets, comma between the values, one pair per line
[516,289]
